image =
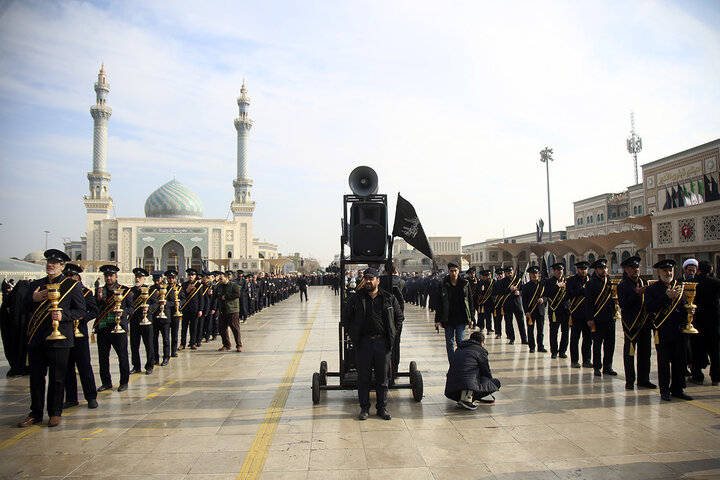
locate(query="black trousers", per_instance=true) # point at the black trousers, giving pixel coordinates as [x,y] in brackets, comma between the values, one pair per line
[164,329]
[672,364]
[195,327]
[559,322]
[373,353]
[303,291]
[45,360]
[643,341]
[705,345]
[80,358]
[119,342]
[396,353]
[498,320]
[485,319]
[144,332]
[174,330]
[603,345]
[185,325]
[536,329]
[580,328]
[511,310]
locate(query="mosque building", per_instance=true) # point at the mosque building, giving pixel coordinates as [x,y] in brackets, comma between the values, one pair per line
[174,233]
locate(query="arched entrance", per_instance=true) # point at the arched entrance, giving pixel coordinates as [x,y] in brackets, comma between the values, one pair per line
[196,259]
[173,256]
[149,259]
[614,267]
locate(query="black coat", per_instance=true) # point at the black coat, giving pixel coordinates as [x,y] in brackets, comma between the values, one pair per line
[73,308]
[668,322]
[354,315]
[707,299]
[469,370]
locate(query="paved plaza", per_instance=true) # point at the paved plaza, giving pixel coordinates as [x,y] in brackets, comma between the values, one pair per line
[226,415]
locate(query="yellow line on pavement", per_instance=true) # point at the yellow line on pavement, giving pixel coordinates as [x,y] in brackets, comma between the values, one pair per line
[157,392]
[705,406]
[256,457]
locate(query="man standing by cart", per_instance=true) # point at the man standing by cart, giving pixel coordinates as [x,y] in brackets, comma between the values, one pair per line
[372,317]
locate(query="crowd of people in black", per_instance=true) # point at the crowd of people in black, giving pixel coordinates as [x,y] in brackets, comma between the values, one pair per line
[48,324]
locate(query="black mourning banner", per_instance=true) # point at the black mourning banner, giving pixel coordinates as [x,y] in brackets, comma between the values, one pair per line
[407,226]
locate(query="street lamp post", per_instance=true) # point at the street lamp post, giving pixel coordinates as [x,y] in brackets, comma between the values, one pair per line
[46,237]
[546,158]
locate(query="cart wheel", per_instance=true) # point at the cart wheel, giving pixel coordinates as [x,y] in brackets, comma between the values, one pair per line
[417,385]
[413,368]
[316,388]
[323,373]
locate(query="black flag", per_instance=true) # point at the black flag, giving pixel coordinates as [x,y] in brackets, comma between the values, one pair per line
[407,226]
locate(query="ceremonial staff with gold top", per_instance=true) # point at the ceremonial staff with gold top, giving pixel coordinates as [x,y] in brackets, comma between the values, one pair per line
[666,304]
[56,302]
[637,328]
[600,314]
[115,305]
[161,318]
[559,310]
[484,301]
[80,353]
[191,309]
[575,287]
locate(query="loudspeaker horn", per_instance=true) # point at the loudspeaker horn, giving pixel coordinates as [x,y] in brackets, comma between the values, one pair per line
[363,181]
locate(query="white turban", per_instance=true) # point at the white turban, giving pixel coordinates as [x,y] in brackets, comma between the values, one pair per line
[690,261]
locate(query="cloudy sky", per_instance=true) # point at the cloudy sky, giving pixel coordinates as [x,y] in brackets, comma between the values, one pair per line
[450,103]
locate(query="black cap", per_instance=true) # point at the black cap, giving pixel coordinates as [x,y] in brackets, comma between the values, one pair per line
[240,272]
[371,272]
[451,265]
[171,273]
[72,269]
[205,273]
[191,271]
[471,270]
[485,273]
[533,269]
[558,266]
[156,274]
[57,255]
[140,272]
[217,272]
[633,261]
[109,269]
[666,263]
[582,264]
[499,270]
[599,263]
[509,269]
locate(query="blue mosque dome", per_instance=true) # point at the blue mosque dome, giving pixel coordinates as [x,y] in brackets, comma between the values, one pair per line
[173,200]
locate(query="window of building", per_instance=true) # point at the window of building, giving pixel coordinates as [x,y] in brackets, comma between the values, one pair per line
[640,210]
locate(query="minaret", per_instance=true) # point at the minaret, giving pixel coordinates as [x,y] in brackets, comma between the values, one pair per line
[99,178]
[242,206]
[98,203]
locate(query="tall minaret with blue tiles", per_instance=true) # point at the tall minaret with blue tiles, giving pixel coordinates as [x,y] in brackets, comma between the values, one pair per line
[243,206]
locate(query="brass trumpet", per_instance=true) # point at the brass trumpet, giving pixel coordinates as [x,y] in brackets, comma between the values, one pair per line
[144,295]
[118,311]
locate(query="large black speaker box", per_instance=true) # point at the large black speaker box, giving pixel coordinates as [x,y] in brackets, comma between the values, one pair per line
[368,230]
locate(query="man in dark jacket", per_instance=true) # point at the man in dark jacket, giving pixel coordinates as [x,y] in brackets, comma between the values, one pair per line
[469,376]
[228,294]
[48,354]
[636,325]
[390,282]
[578,322]
[138,331]
[706,344]
[559,310]
[302,284]
[454,311]
[665,302]
[600,314]
[484,301]
[372,317]
[509,289]
[534,304]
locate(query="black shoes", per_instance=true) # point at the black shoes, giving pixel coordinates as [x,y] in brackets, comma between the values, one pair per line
[575,365]
[682,396]
[665,396]
[364,414]
[164,363]
[102,388]
[135,370]
[122,387]
[610,372]
[148,371]
[174,355]
[587,364]
[511,342]
[647,385]
[598,373]
[382,413]
[629,386]
[562,355]
[92,403]
[69,404]
[542,349]
[554,355]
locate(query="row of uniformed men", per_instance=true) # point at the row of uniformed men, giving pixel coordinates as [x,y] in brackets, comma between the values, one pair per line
[586,306]
[195,301]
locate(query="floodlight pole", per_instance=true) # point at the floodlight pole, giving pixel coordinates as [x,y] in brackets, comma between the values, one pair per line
[546,158]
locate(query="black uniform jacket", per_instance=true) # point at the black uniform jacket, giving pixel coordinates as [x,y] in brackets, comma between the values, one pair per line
[106,306]
[707,299]
[558,299]
[669,316]
[599,305]
[632,306]
[152,302]
[575,287]
[531,292]
[72,303]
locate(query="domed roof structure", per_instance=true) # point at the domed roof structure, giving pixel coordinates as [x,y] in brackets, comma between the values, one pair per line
[37,257]
[173,200]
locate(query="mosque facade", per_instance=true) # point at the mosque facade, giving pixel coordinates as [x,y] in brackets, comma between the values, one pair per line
[174,233]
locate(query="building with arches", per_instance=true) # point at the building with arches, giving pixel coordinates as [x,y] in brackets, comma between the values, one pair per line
[174,232]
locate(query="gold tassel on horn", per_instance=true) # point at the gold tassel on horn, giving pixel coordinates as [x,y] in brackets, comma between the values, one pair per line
[554,318]
[657,338]
[570,321]
[632,349]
